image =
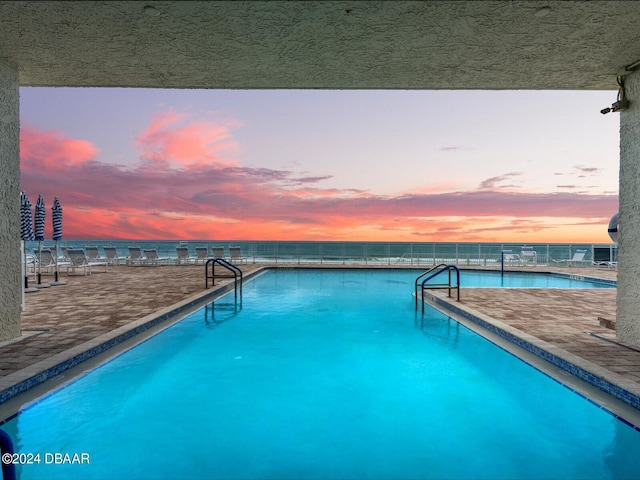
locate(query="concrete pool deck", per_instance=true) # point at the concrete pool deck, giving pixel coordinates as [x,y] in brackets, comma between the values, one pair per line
[62,318]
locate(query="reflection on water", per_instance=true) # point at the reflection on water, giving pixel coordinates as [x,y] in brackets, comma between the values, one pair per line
[444,330]
[221,311]
[617,456]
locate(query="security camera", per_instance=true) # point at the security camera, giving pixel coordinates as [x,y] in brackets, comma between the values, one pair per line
[616,106]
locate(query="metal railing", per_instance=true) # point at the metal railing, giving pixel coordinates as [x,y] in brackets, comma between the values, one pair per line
[433,273]
[236,273]
[410,254]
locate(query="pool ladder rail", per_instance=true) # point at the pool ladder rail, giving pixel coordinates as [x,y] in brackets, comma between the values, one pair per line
[235,273]
[434,272]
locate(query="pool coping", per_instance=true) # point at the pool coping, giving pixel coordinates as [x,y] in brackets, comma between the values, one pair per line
[599,377]
[17,383]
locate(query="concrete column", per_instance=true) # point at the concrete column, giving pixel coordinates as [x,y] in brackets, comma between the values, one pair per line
[10,273]
[628,308]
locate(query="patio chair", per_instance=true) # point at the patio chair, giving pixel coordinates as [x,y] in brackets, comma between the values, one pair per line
[31,264]
[154,259]
[217,252]
[605,264]
[136,257]
[44,260]
[112,256]
[235,255]
[577,259]
[510,258]
[93,254]
[183,256]
[80,261]
[202,255]
[65,255]
[528,256]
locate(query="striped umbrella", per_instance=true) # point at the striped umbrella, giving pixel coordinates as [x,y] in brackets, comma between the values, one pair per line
[56,219]
[26,233]
[26,225]
[38,229]
[39,217]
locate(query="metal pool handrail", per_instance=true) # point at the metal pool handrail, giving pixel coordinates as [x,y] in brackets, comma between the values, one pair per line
[229,266]
[435,271]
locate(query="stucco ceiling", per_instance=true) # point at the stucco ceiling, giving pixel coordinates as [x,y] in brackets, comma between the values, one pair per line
[321,44]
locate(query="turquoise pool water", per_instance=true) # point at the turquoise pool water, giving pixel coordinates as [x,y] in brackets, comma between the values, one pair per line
[322,375]
[493,279]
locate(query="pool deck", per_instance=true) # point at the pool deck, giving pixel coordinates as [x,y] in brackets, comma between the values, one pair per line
[88,309]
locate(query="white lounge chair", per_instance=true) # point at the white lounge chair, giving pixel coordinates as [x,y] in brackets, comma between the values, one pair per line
[217,252]
[510,258]
[577,259]
[235,255]
[154,259]
[202,255]
[112,256]
[136,257]
[80,261]
[65,255]
[45,261]
[183,256]
[528,256]
[93,254]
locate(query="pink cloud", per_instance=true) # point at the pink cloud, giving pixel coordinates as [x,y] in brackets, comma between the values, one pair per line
[51,150]
[185,186]
[176,139]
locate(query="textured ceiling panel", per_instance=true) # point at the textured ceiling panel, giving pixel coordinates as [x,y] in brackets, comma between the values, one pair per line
[315,44]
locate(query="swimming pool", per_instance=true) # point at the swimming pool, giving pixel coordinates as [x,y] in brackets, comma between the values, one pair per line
[319,375]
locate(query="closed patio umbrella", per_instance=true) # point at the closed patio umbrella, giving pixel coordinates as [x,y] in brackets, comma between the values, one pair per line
[39,215]
[26,233]
[56,220]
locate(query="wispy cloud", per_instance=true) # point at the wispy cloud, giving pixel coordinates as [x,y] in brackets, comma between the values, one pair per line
[584,171]
[452,148]
[498,182]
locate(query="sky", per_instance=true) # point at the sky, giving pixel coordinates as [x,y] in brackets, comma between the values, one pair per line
[323,165]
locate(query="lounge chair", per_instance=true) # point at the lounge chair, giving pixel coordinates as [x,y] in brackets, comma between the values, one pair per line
[235,255]
[510,258]
[183,256]
[136,257]
[65,255]
[93,254]
[202,255]
[217,252]
[112,256]
[31,262]
[154,259]
[45,261]
[577,259]
[606,264]
[528,256]
[79,260]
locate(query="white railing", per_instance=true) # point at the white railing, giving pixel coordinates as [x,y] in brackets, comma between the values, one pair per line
[364,253]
